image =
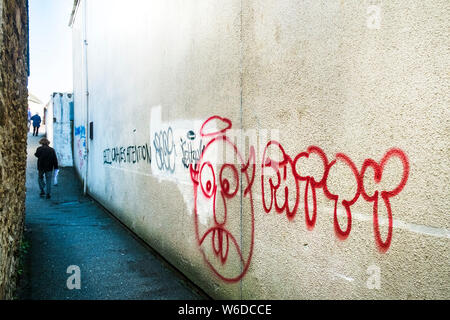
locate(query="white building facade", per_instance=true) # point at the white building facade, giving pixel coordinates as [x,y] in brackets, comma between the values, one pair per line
[59,126]
[272,149]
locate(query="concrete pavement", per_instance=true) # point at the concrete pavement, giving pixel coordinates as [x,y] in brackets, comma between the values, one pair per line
[73,230]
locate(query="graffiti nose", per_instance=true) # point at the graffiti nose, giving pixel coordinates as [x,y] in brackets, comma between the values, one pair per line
[220,210]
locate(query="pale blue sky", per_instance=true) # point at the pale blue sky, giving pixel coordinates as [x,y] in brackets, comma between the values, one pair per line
[50,47]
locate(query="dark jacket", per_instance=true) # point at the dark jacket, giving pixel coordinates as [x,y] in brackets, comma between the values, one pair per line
[47,160]
[36,120]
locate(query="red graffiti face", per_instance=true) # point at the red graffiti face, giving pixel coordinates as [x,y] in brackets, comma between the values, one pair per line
[217,206]
[222,191]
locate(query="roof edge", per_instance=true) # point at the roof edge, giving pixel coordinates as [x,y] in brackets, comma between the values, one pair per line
[76,4]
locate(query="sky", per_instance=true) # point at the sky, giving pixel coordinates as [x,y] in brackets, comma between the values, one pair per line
[50,48]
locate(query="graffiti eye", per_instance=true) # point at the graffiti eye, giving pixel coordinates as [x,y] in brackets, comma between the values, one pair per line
[229,180]
[207,179]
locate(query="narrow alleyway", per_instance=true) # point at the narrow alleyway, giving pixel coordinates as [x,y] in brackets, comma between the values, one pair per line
[70,229]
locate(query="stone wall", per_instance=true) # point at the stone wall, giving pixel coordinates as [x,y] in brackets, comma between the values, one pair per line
[13,137]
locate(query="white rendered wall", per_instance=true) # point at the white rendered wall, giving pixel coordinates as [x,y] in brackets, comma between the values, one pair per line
[364,83]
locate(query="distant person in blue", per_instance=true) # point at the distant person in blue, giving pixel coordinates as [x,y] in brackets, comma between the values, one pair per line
[36,123]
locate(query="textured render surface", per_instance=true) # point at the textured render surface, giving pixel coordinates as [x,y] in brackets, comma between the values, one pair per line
[191,70]
[78,94]
[320,75]
[13,131]
[353,78]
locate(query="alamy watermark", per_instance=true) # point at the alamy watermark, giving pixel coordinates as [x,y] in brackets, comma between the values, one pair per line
[373,15]
[374,280]
[74,280]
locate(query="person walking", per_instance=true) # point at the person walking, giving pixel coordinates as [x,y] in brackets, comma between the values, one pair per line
[47,161]
[36,123]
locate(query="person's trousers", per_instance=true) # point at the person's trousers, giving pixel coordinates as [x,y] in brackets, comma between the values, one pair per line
[45,186]
[35,131]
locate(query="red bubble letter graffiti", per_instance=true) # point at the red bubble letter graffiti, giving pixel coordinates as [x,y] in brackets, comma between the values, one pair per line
[311,183]
[343,234]
[385,195]
[224,188]
[280,168]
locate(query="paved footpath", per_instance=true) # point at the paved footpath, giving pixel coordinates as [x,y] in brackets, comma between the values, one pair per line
[73,230]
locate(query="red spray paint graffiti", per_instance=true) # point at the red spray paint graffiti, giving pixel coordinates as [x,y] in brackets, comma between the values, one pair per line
[343,234]
[385,195]
[284,165]
[281,192]
[217,190]
[312,184]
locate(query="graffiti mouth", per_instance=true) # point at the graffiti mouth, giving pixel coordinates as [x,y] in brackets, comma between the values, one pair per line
[220,243]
